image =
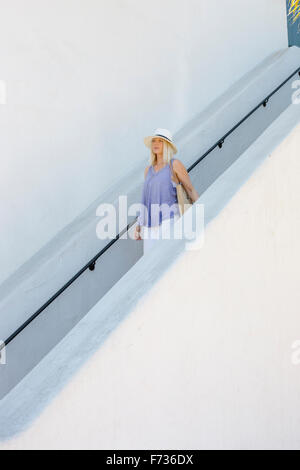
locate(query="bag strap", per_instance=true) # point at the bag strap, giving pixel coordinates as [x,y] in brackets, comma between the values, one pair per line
[172,171]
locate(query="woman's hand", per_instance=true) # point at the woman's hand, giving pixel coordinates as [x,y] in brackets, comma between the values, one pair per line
[137,233]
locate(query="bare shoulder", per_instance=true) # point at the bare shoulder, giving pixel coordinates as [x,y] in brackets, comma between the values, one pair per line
[178,165]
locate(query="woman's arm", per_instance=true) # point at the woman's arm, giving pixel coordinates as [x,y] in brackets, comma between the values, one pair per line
[138,226]
[183,176]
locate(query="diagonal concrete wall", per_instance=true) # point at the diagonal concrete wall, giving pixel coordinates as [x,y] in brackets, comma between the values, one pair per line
[46,272]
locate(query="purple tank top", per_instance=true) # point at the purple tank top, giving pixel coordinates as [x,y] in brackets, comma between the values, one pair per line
[159,198]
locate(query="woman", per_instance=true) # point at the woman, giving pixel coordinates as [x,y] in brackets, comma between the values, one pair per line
[160,189]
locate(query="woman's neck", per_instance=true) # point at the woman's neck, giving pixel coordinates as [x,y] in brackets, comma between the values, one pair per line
[159,160]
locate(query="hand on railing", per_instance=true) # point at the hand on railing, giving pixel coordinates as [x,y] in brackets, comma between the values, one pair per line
[137,232]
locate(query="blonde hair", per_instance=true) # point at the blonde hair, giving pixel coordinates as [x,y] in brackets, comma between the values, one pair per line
[168,153]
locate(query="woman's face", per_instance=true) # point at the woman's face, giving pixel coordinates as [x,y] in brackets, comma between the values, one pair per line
[157,145]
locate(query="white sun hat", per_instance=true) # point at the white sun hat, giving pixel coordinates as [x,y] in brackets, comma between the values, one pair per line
[163,134]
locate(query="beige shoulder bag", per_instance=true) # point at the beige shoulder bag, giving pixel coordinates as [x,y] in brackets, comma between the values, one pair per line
[184,201]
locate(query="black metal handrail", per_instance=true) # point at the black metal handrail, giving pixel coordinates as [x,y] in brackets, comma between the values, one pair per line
[91,264]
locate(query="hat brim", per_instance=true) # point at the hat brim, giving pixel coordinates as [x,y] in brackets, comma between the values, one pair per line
[148,142]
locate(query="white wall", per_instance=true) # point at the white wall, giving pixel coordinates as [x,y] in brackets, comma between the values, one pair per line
[204,360]
[87,80]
